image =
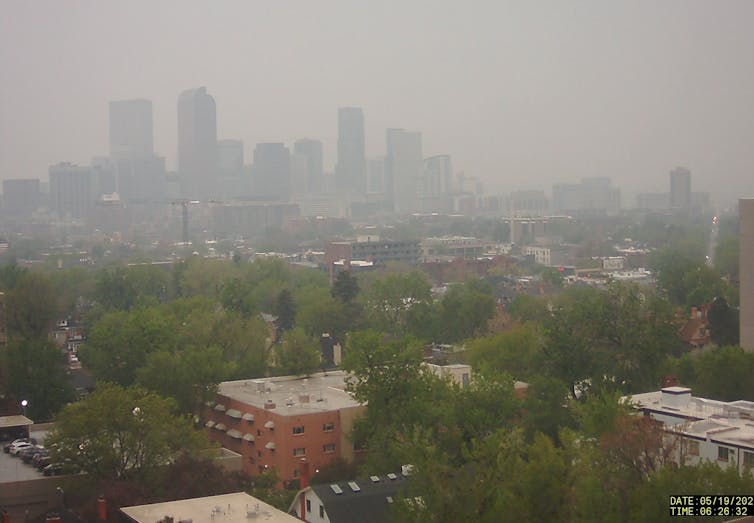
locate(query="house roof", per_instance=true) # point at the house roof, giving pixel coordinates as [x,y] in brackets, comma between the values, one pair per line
[65,515]
[370,504]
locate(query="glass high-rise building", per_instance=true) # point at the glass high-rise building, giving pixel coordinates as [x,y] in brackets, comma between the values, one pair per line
[197,143]
[350,171]
[131,129]
[404,169]
[311,150]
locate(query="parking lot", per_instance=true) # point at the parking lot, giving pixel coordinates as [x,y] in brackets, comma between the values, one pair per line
[13,469]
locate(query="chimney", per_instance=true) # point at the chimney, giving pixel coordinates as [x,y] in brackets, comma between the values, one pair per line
[101,508]
[305,477]
[304,485]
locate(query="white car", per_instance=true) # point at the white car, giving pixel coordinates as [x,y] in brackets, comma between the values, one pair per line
[18,447]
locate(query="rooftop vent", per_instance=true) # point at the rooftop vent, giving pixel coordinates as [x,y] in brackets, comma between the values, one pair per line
[335,488]
[354,486]
[374,479]
[392,477]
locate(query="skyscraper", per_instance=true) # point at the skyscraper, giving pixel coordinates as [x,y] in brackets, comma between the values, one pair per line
[197,143]
[746,262]
[271,172]
[404,167]
[71,191]
[350,171]
[312,151]
[680,188]
[131,129]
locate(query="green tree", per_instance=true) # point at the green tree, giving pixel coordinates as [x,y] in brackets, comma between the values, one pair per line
[517,352]
[119,342]
[723,323]
[297,353]
[392,301]
[727,256]
[723,374]
[190,377]
[121,433]
[465,310]
[345,287]
[36,374]
[31,307]
[285,310]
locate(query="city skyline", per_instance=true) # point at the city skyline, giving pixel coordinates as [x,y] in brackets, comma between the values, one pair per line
[521,96]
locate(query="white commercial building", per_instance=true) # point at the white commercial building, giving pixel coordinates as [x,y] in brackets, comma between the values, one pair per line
[703,429]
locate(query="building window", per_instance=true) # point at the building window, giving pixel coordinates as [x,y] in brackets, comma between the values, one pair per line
[301,451]
[329,448]
[308,505]
[296,473]
[748,459]
[252,460]
[321,512]
[723,453]
[298,430]
[693,448]
[259,453]
[259,432]
[328,427]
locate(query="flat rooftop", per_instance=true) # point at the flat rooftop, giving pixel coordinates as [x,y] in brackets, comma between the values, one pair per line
[225,508]
[292,395]
[729,423]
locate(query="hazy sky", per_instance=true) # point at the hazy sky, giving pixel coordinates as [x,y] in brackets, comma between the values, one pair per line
[521,94]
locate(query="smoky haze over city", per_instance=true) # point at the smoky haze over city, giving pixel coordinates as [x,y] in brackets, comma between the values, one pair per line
[520,95]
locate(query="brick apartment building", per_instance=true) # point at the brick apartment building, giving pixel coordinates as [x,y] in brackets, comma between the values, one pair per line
[275,422]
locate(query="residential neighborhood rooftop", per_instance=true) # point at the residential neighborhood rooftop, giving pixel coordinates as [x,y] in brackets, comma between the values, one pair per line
[226,508]
[292,395]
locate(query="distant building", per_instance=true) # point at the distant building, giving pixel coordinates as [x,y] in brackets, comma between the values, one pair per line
[248,218]
[71,191]
[680,188]
[653,201]
[700,429]
[527,203]
[197,143]
[746,262]
[373,249]
[21,197]
[404,168]
[311,151]
[350,170]
[230,157]
[275,422]
[271,172]
[591,195]
[376,175]
[131,129]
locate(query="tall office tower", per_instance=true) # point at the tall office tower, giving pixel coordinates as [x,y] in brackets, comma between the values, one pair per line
[438,175]
[404,169]
[591,195]
[230,157]
[71,192]
[197,143]
[271,172]
[680,188]
[312,151]
[376,175]
[21,197]
[746,275]
[350,171]
[131,129]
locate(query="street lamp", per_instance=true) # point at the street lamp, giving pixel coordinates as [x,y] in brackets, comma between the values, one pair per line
[24,403]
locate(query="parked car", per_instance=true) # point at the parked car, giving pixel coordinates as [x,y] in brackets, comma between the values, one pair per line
[53,469]
[7,447]
[15,448]
[43,462]
[35,460]
[28,454]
